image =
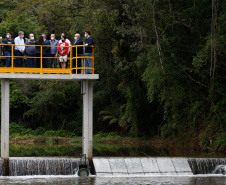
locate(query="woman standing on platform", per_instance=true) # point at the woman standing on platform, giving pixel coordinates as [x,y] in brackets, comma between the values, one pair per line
[38,50]
[63,52]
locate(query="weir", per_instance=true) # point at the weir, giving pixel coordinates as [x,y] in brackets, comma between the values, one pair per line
[115,166]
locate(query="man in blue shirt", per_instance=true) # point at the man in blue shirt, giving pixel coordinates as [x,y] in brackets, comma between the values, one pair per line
[88,51]
[8,49]
[53,51]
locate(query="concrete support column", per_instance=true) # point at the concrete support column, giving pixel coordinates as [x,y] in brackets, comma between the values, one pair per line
[5,119]
[87,129]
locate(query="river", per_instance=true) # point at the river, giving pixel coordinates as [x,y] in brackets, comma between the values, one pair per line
[72,180]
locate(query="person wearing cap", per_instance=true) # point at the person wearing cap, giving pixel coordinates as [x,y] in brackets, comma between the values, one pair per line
[8,49]
[19,49]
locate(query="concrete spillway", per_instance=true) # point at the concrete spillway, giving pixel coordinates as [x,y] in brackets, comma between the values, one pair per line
[141,166]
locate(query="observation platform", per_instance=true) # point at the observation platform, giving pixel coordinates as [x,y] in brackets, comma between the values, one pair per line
[76,63]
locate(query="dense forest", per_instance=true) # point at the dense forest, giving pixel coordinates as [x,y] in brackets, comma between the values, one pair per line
[161,65]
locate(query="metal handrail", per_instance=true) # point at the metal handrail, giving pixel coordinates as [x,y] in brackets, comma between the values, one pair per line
[42,70]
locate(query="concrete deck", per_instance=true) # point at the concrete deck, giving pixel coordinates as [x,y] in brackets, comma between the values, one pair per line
[78,77]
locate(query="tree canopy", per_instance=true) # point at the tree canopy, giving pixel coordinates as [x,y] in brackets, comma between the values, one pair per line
[161,66]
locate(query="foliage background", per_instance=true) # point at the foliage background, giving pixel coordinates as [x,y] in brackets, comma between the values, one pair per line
[161,66]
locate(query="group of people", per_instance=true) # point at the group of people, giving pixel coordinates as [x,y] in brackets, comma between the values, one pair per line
[32,49]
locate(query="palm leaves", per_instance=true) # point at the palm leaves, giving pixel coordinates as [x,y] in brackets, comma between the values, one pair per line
[109,117]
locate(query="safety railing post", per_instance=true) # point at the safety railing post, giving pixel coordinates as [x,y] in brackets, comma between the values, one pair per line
[41,72]
[70,59]
[12,56]
[76,59]
[92,59]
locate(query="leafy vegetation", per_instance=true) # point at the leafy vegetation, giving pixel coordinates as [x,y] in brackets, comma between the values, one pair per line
[161,66]
[20,132]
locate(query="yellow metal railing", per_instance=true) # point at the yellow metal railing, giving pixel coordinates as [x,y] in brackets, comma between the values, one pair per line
[71,57]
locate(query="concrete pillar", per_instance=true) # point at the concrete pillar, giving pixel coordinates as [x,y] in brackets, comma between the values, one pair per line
[87,129]
[5,119]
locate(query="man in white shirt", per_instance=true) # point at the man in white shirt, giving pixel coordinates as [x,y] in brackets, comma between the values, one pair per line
[69,42]
[19,49]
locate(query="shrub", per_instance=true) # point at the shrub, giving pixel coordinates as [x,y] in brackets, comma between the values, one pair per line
[221,141]
[40,131]
[59,133]
[50,133]
[168,130]
[40,139]
[103,134]
[20,129]
[113,134]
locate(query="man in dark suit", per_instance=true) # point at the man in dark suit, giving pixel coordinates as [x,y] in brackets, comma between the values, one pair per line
[78,41]
[45,52]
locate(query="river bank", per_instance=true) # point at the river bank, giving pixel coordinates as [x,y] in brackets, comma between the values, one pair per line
[173,145]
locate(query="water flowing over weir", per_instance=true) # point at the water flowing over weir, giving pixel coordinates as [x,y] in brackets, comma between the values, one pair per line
[2,167]
[21,166]
[42,166]
[208,166]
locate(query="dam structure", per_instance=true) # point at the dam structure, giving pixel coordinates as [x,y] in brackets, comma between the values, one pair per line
[116,166]
[76,71]
[101,166]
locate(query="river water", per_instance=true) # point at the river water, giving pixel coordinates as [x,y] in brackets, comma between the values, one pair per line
[72,180]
